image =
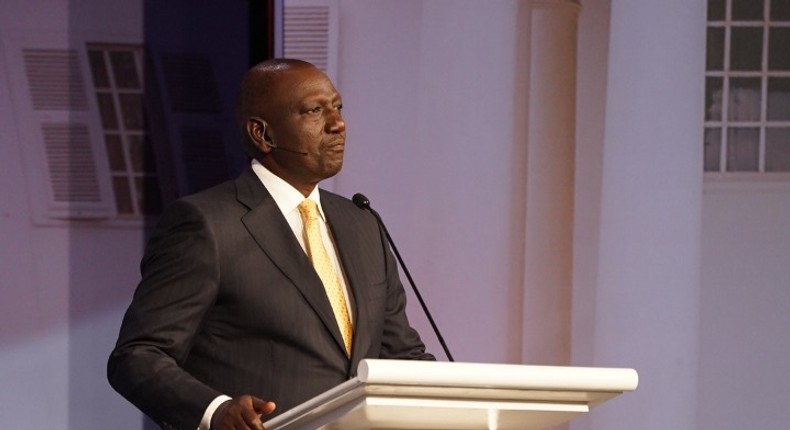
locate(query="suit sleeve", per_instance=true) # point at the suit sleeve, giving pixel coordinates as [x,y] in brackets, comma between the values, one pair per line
[180,281]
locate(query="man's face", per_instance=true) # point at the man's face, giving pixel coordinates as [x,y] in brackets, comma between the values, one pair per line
[305,116]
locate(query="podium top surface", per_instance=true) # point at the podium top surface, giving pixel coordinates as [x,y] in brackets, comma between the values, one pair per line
[500,376]
[459,386]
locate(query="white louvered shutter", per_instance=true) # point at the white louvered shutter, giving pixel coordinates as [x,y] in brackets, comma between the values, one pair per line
[65,164]
[310,33]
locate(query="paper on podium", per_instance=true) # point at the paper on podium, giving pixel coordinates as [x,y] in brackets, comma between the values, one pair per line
[401,394]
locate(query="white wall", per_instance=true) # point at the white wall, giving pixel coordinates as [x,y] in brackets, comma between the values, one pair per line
[428,89]
[744,293]
[63,289]
[744,369]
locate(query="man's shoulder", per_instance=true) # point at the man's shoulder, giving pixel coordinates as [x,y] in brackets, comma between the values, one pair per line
[217,192]
[335,202]
[216,201]
[327,195]
[227,192]
[340,209]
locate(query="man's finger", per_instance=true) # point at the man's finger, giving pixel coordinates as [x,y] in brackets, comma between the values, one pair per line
[263,407]
[255,408]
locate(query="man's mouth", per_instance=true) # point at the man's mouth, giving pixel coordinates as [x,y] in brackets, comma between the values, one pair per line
[336,146]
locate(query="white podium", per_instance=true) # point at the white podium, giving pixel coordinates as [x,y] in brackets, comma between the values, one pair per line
[393,394]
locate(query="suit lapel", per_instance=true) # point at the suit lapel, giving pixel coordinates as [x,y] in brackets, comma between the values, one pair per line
[268,227]
[347,241]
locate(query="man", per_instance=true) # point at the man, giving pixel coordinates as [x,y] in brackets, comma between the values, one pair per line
[238,308]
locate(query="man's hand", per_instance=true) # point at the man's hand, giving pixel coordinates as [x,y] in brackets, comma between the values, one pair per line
[241,413]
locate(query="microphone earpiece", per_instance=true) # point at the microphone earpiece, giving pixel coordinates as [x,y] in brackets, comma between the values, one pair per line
[260,134]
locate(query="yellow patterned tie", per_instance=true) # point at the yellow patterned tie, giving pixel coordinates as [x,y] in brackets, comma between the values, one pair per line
[325,269]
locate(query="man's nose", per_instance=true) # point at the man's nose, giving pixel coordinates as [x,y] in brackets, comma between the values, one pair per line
[335,122]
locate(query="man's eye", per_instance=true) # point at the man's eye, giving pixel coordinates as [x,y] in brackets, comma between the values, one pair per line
[316,109]
[339,107]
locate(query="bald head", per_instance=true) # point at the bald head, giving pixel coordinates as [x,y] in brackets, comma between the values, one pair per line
[259,89]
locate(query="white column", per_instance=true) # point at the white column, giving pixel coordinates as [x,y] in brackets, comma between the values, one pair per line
[550,167]
[649,256]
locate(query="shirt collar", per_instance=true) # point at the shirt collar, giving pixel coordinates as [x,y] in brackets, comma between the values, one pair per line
[284,194]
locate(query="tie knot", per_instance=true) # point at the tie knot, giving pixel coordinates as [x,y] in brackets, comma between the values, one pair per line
[308,209]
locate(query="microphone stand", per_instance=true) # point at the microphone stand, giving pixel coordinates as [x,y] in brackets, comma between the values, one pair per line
[362,201]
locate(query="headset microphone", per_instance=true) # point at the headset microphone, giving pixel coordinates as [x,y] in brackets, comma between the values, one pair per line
[274,146]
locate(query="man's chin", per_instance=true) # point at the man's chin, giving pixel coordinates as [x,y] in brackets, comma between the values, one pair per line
[332,169]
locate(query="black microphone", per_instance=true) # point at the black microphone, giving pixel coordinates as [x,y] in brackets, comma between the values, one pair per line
[362,202]
[274,146]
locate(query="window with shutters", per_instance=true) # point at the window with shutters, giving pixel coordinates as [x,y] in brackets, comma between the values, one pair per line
[747,87]
[83,129]
[65,169]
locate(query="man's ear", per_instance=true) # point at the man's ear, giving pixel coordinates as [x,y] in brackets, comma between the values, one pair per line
[257,130]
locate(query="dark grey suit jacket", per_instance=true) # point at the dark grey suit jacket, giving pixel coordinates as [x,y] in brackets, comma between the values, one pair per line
[230,304]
